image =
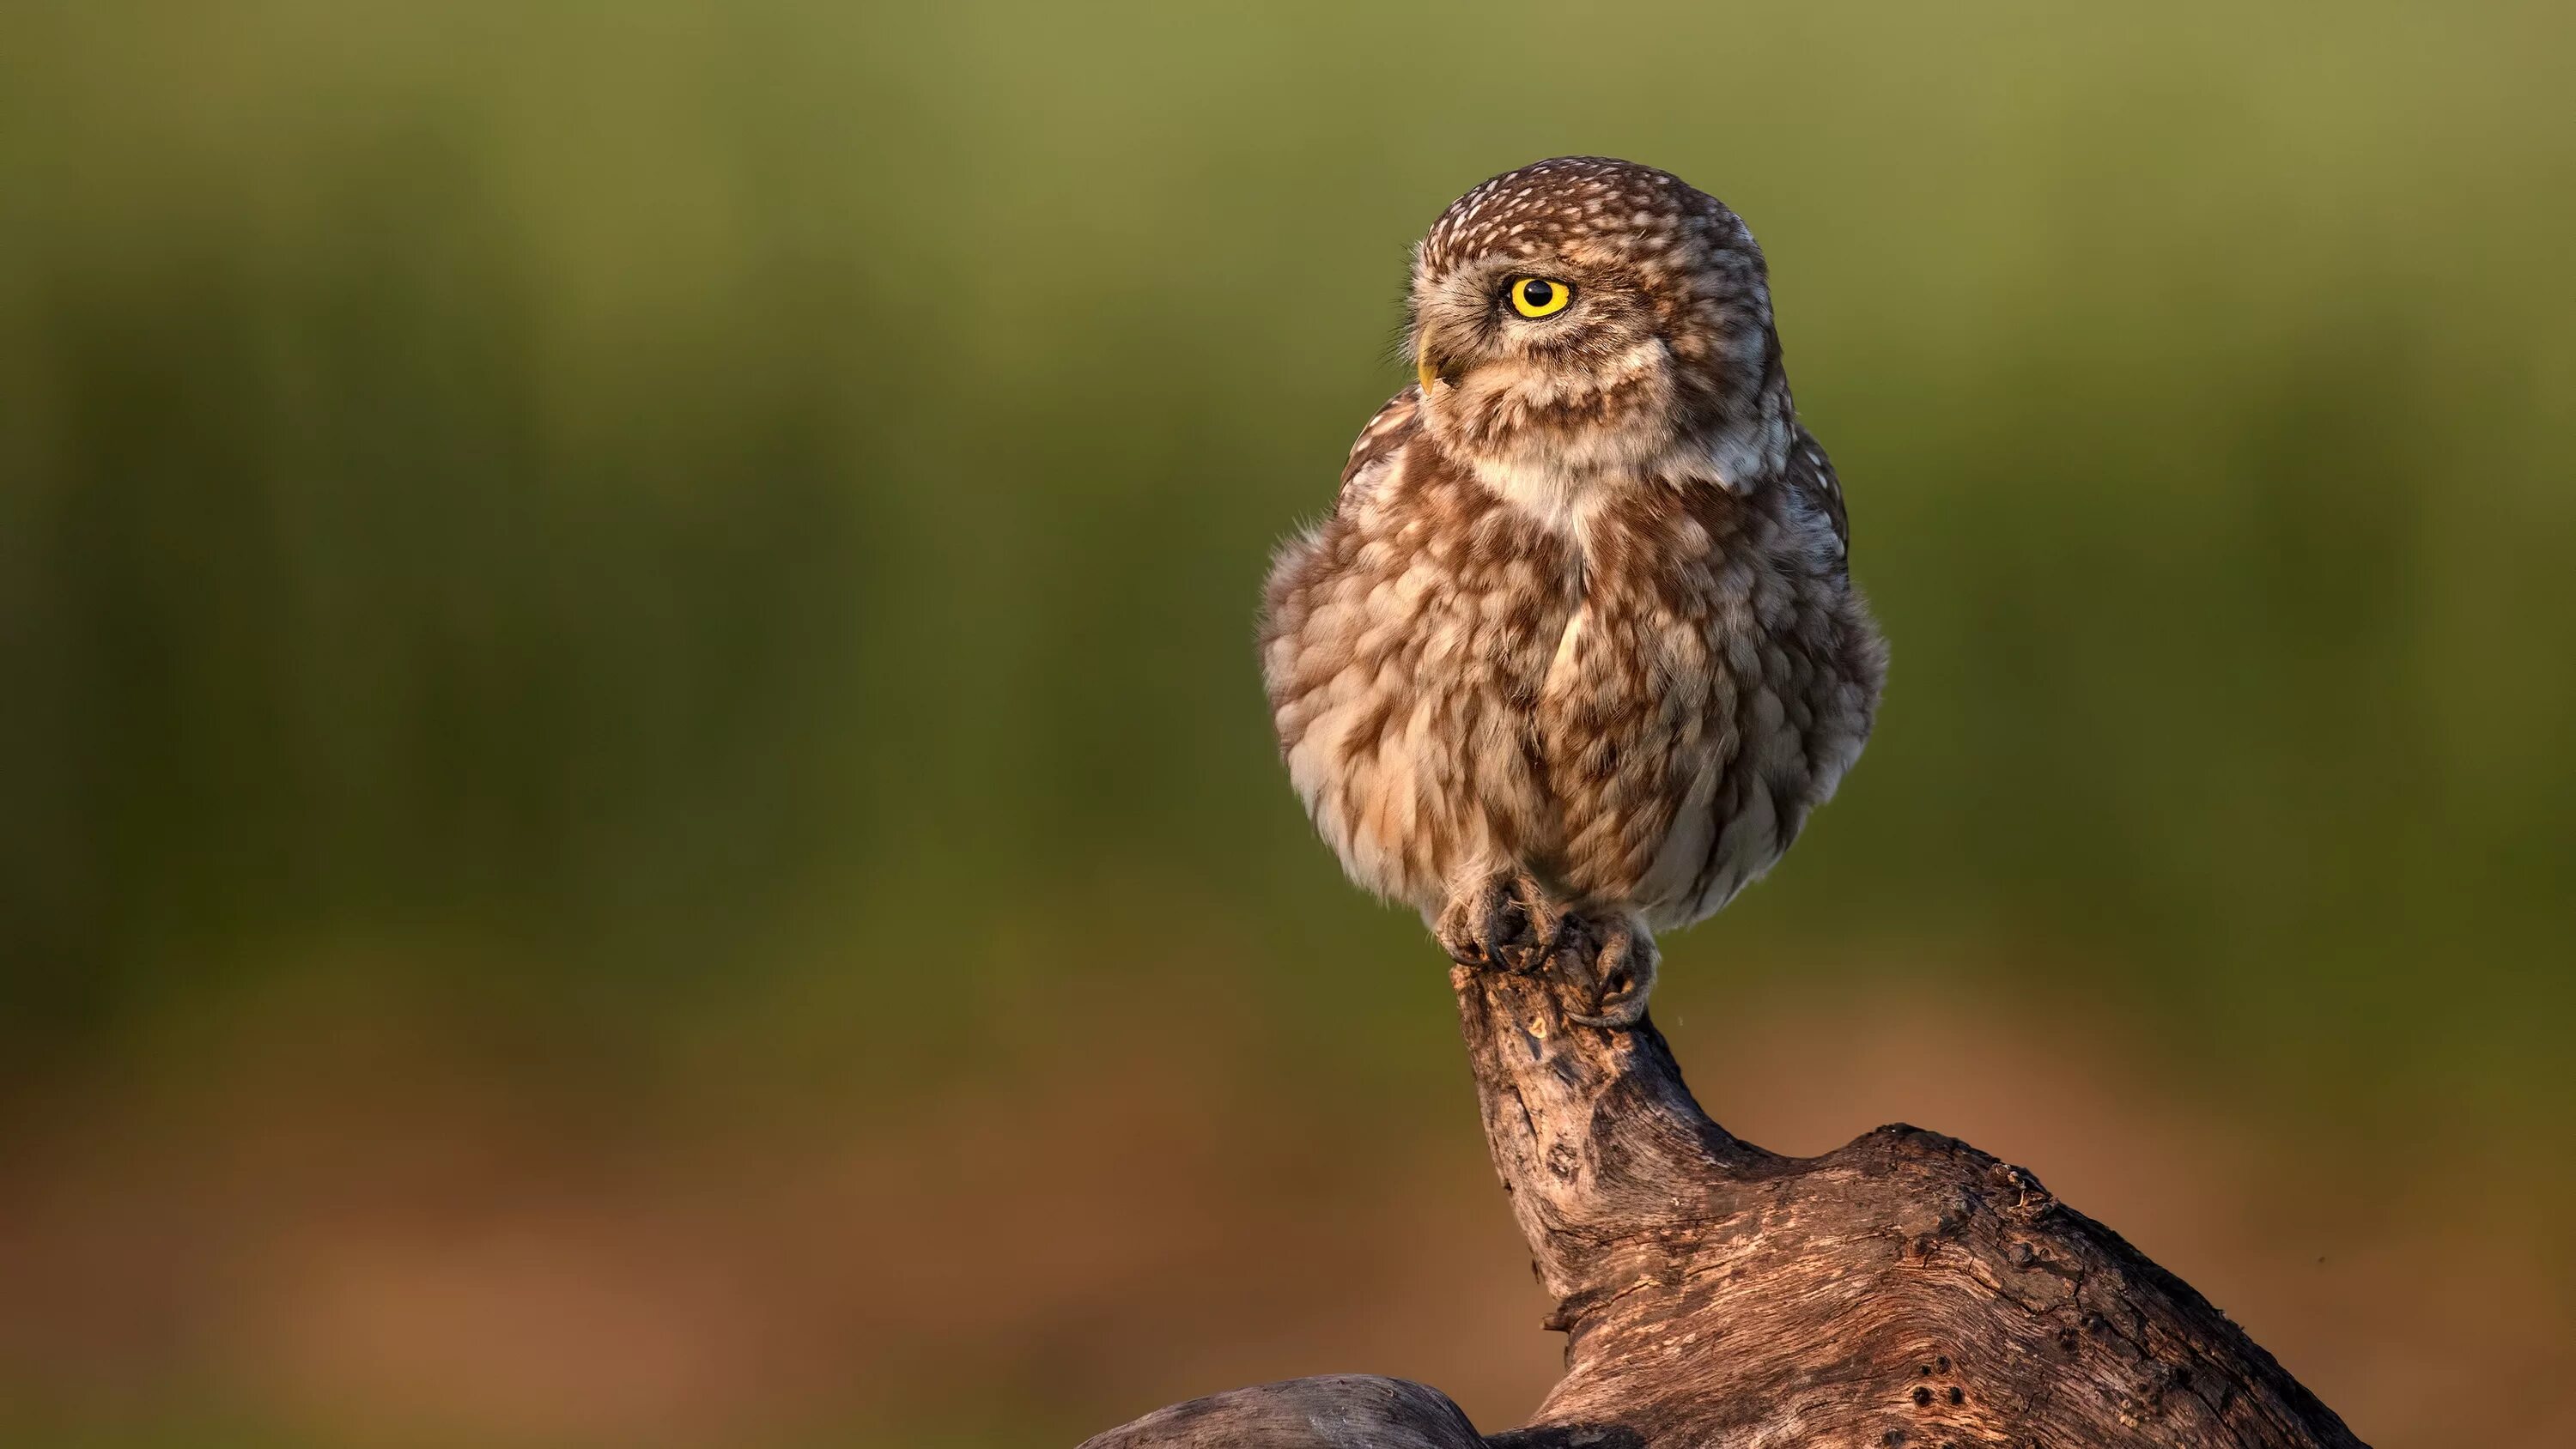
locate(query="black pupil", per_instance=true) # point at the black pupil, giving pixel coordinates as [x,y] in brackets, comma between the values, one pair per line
[1535,293]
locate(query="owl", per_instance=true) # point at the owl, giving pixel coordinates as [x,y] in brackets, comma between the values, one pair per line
[1576,651]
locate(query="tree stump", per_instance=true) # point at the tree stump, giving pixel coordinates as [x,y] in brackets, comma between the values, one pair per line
[1905,1290]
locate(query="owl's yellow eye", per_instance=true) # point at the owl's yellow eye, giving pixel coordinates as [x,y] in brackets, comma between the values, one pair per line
[1540,296]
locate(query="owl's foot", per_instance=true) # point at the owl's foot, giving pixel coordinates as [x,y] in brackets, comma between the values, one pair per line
[1504,921]
[1614,964]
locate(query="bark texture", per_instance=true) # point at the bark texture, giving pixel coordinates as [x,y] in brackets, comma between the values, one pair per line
[1905,1290]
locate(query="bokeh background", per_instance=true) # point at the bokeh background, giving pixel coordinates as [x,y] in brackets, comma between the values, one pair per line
[634,803]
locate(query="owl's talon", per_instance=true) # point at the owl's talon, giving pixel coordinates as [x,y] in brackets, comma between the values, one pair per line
[1503,922]
[1618,975]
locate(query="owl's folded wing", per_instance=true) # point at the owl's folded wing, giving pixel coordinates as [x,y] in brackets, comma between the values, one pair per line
[1811,479]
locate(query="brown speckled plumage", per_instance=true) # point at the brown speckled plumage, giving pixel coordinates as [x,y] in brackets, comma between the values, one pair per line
[1577,646]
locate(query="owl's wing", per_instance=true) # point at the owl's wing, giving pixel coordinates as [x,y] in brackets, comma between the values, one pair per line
[1811,478]
[1384,436]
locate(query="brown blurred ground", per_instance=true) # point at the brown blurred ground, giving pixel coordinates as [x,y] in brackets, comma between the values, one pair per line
[333,1232]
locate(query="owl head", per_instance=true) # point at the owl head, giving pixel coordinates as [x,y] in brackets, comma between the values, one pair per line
[1583,317]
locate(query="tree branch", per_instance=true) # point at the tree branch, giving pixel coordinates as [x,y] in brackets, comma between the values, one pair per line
[1904,1290]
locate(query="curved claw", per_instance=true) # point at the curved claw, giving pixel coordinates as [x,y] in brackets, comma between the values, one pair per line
[1630,1012]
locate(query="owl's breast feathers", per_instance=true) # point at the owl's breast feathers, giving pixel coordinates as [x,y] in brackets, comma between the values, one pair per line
[1643,709]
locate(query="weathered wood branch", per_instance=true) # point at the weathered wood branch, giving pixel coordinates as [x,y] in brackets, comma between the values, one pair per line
[1905,1290]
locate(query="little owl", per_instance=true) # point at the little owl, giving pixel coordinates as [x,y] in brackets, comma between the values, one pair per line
[1577,649]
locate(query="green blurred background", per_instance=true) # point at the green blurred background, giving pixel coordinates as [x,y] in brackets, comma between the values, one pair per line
[634,801]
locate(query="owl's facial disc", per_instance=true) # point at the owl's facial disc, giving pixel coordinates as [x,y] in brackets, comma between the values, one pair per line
[1490,315]
[1538,358]
[1443,354]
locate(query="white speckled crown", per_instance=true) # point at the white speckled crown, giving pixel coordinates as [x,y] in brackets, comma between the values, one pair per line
[1650,220]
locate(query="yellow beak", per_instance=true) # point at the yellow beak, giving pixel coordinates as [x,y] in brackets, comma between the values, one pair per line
[1429,365]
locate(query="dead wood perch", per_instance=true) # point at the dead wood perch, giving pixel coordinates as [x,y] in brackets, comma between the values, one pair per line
[1906,1290]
